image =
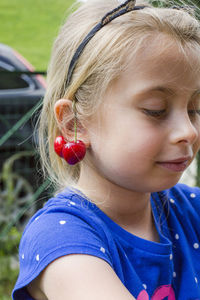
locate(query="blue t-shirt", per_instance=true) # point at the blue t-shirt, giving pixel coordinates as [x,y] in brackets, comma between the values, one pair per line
[70,224]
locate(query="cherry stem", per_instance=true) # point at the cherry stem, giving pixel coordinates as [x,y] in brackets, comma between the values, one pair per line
[75,121]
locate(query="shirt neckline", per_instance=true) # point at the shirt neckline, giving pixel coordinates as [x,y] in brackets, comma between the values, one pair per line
[130,240]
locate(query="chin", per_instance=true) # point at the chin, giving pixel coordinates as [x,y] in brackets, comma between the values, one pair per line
[161,184]
[165,185]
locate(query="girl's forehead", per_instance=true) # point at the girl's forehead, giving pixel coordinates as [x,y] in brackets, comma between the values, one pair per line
[160,48]
[164,56]
[162,61]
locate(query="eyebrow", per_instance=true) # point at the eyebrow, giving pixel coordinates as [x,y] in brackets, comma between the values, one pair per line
[162,89]
[167,90]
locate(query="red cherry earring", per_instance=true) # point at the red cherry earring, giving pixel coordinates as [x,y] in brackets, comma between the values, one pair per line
[74,151]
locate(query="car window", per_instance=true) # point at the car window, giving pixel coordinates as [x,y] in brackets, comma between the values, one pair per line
[10,80]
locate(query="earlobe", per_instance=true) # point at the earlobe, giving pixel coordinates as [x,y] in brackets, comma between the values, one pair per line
[65,118]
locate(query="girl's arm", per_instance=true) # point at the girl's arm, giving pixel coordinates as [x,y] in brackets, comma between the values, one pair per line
[79,277]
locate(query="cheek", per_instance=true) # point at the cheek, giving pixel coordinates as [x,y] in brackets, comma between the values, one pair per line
[123,139]
[196,146]
[126,148]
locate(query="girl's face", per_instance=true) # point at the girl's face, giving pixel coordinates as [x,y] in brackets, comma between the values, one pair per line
[147,131]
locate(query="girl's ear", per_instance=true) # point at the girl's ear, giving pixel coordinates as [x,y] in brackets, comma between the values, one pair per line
[65,119]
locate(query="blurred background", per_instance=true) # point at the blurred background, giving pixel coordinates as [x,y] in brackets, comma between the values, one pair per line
[27,31]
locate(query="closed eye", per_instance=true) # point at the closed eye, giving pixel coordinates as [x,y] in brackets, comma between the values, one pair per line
[155,113]
[194,111]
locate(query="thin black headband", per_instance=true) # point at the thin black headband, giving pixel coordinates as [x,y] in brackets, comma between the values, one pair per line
[124,8]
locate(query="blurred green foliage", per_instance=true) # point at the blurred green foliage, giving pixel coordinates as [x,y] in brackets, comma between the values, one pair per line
[8,262]
[10,193]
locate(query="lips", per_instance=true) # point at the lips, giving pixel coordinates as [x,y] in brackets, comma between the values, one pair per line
[176,165]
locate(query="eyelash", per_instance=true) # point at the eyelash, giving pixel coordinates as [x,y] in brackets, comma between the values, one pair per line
[194,111]
[161,113]
[154,113]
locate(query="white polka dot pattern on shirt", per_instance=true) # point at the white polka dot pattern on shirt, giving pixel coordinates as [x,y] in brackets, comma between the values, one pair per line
[70,203]
[171,257]
[23,256]
[172,200]
[62,222]
[174,274]
[196,280]
[196,246]
[145,286]
[37,257]
[102,250]
[192,195]
[177,236]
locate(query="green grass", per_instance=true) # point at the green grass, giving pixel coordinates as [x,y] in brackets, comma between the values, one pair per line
[30,26]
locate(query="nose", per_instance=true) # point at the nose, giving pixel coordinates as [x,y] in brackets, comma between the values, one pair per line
[183,130]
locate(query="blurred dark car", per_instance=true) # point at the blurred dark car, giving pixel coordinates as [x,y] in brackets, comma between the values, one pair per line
[19,92]
[21,88]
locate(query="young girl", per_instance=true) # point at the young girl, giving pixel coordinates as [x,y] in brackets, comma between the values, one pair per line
[124,86]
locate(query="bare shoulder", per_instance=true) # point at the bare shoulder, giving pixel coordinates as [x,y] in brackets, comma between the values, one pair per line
[77,277]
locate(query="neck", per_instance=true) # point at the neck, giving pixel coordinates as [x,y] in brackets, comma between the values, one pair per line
[129,209]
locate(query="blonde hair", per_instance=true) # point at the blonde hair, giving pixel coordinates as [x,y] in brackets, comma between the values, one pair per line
[101,62]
